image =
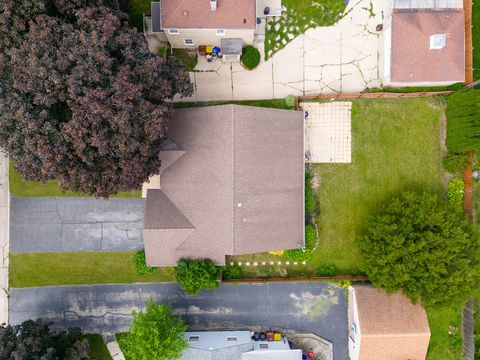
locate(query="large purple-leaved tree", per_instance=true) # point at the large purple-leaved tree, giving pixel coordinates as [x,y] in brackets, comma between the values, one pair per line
[82,100]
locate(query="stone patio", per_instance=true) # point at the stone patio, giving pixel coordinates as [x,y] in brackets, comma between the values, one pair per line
[328,132]
[344,58]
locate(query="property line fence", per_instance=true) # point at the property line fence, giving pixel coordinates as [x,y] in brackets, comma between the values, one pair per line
[467,10]
[298,278]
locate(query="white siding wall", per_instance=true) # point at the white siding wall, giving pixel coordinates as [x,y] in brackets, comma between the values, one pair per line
[207,37]
[354,338]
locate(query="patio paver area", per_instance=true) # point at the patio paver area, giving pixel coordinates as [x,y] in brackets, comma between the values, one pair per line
[328,131]
[341,58]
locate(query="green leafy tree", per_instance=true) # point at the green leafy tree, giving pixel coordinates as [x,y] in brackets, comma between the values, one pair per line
[154,334]
[141,264]
[195,275]
[463,126]
[425,248]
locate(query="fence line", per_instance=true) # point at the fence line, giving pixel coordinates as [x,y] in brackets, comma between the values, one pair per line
[467,9]
[366,95]
[297,278]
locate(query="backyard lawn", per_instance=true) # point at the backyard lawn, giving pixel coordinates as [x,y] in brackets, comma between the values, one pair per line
[446,333]
[137,9]
[395,147]
[45,269]
[22,188]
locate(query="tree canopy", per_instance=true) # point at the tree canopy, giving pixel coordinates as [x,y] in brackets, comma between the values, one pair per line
[424,247]
[195,275]
[463,124]
[34,340]
[154,334]
[82,100]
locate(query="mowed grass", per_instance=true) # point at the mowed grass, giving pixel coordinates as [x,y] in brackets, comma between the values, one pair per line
[101,267]
[395,147]
[23,188]
[446,333]
[98,348]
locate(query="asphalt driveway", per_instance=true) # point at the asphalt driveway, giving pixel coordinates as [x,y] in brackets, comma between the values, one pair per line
[75,224]
[304,307]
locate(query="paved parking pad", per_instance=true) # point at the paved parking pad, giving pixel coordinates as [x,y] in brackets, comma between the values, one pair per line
[302,307]
[75,224]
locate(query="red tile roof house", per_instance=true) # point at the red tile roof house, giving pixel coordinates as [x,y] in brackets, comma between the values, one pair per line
[424,46]
[231,183]
[190,23]
[385,326]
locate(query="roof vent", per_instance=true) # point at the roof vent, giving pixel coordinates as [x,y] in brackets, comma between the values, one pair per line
[185,12]
[213,5]
[438,41]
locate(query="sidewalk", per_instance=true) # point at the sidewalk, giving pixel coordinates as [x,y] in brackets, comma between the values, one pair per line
[4,237]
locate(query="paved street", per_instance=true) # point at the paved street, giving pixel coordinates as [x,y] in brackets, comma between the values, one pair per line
[306,307]
[75,224]
[345,57]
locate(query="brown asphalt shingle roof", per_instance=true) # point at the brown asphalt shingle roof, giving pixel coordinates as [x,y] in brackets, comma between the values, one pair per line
[412,60]
[239,184]
[391,326]
[196,14]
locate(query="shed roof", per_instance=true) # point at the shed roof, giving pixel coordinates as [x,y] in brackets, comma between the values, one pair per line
[197,14]
[391,326]
[231,46]
[239,184]
[412,59]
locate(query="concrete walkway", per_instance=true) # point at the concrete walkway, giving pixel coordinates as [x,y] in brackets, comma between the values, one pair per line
[4,234]
[303,307]
[75,224]
[345,57]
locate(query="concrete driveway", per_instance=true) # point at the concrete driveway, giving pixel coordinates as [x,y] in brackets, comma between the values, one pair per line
[346,57]
[306,307]
[75,224]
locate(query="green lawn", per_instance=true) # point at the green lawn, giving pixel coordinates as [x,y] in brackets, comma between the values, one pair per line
[395,147]
[101,267]
[22,188]
[300,16]
[446,333]
[137,9]
[98,348]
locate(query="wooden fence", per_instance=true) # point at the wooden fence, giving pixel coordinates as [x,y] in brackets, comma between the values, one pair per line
[297,278]
[467,9]
[367,95]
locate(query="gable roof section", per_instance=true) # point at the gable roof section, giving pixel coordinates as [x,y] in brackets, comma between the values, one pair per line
[239,184]
[412,60]
[168,157]
[391,326]
[197,14]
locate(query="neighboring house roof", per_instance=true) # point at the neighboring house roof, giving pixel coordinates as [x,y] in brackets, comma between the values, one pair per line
[428,4]
[413,59]
[197,14]
[391,327]
[236,188]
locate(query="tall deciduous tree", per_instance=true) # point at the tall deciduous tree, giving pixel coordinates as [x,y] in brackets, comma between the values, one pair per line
[154,334]
[82,99]
[425,248]
[34,340]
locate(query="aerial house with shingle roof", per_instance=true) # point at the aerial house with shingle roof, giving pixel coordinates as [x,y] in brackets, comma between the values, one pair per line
[231,182]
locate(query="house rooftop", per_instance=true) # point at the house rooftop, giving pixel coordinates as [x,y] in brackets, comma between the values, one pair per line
[198,14]
[236,185]
[428,46]
[391,326]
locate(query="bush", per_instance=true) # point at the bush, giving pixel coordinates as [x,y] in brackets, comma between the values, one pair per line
[141,264]
[310,244]
[463,125]
[250,57]
[455,191]
[326,270]
[290,102]
[455,163]
[310,198]
[195,275]
[231,272]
